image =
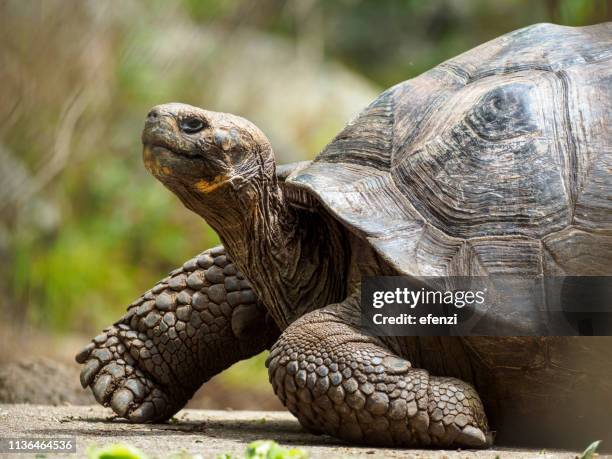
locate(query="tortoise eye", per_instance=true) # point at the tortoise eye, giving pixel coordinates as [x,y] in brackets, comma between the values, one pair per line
[191,125]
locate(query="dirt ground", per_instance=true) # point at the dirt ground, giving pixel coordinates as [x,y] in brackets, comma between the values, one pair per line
[39,368]
[40,396]
[207,433]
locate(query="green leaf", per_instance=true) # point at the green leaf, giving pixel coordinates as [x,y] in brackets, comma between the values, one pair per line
[269,449]
[296,453]
[590,452]
[116,451]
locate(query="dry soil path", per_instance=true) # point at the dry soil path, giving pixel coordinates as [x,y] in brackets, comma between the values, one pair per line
[206,433]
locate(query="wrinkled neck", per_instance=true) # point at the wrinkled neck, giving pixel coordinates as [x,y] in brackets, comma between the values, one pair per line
[293,258]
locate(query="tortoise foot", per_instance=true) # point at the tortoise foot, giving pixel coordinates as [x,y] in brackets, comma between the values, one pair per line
[338,381]
[193,324]
[120,380]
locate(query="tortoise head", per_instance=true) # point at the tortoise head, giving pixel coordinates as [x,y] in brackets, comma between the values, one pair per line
[202,155]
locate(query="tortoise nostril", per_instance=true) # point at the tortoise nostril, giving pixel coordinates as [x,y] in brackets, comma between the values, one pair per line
[153,114]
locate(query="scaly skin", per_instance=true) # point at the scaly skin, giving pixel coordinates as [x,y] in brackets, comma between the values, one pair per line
[332,376]
[193,324]
[338,381]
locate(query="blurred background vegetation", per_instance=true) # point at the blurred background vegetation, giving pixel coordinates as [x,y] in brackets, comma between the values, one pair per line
[83,228]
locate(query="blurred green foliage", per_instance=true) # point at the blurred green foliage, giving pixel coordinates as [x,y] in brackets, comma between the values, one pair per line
[115,451]
[83,228]
[269,449]
[391,40]
[259,449]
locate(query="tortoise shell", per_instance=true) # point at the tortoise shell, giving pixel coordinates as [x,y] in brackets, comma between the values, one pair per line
[496,161]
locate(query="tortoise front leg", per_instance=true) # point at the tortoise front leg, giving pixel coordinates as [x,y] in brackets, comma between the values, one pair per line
[193,324]
[338,381]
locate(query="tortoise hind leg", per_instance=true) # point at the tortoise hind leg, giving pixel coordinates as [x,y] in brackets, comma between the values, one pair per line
[200,320]
[339,381]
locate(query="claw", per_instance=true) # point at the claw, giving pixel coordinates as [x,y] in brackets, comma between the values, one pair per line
[136,387]
[101,388]
[82,356]
[473,437]
[144,413]
[121,401]
[89,372]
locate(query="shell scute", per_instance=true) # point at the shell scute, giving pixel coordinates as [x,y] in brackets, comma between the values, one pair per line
[509,141]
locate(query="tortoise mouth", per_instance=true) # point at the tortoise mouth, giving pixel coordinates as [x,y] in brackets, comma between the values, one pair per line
[160,149]
[164,162]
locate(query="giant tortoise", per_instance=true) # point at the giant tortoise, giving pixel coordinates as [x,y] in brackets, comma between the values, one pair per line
[496,161]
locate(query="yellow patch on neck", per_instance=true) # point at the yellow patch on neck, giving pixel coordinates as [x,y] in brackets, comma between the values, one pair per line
[205,186]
